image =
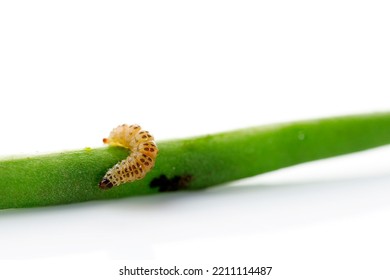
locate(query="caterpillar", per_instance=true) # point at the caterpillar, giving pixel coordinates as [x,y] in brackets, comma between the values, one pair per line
[143,153]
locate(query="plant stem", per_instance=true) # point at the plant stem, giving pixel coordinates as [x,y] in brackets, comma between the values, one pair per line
[190,164]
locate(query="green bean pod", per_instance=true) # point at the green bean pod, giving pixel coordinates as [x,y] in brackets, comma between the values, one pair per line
[188,164]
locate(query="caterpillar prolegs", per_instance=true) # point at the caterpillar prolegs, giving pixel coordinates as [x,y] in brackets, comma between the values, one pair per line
[143,153]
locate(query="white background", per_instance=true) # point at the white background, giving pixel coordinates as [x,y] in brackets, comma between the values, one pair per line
[70,71]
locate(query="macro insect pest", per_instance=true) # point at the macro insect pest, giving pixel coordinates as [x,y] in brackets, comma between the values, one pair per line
[143,153]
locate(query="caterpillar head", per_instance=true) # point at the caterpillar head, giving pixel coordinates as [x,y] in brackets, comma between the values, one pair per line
[105,184]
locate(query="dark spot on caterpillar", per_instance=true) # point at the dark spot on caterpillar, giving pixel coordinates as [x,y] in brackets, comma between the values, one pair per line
[174,184]
[105,184]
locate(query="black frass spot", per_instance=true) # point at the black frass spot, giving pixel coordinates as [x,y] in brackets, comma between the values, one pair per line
[168,185]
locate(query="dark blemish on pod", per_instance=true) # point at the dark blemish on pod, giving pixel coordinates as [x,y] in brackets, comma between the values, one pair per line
[174,184]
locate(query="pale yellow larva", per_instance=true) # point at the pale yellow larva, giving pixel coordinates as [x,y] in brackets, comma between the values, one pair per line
[143,153]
